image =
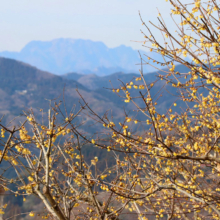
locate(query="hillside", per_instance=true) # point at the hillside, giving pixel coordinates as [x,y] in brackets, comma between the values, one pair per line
[98,83]
[23,86]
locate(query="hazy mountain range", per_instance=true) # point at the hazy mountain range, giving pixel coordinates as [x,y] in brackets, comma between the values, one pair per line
[62,56]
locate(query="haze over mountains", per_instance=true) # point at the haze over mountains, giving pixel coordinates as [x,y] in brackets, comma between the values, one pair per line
[62,56]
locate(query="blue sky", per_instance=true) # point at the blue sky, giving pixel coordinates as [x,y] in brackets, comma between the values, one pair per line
[113,22]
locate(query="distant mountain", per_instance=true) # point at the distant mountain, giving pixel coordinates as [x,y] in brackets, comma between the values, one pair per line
[61,56]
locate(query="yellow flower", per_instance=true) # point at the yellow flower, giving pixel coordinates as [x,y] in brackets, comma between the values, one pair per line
[2,133]
[25,151]
[14,162]
[128,119]
[31,214]
[135,86]
[77,157]
[29,118]
[30,178]
[197,4]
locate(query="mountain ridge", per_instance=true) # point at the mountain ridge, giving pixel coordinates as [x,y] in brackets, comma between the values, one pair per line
[63,55]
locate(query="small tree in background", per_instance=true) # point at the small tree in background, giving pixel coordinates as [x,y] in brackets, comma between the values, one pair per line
[168,168]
